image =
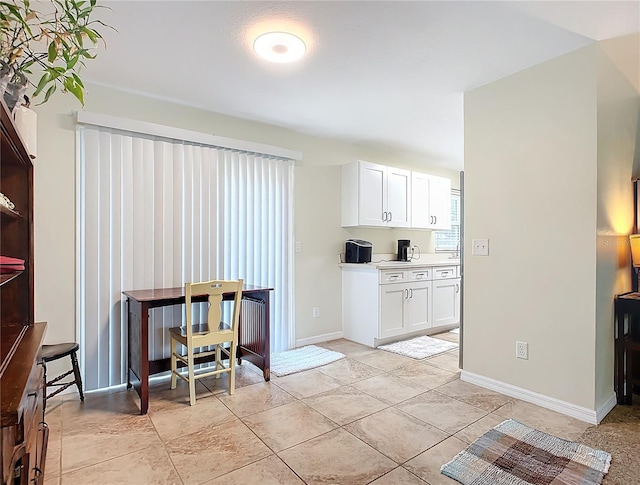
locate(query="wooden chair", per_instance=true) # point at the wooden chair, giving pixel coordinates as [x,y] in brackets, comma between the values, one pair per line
[213,332]
[55,352]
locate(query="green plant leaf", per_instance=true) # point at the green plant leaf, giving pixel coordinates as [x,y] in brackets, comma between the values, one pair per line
[78,80]
[50,91]
[91,34]
[71,86]
[44,80]
[53,52]
[72,62]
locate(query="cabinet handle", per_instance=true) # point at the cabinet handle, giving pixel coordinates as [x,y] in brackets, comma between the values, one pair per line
[406,294]
[390,216]
[457,287]
[419,276]
[435,219]
[444,273]
[410,292]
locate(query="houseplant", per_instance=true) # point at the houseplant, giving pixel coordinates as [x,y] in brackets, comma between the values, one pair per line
[49,44]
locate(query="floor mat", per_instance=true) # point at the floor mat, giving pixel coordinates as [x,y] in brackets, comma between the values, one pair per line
[303,358]
[419,347]
[513,453]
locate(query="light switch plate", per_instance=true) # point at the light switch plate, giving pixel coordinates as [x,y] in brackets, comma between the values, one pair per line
[480,247]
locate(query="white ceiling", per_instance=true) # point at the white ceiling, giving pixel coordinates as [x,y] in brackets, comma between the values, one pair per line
[387,74]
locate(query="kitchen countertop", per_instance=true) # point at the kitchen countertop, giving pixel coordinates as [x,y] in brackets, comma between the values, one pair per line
[402,264]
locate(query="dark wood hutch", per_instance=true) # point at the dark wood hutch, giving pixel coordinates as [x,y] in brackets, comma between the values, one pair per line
[24,432]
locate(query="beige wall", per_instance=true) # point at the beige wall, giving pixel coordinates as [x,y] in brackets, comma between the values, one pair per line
[530,187]
[549,157]
[617,138]
[317,203]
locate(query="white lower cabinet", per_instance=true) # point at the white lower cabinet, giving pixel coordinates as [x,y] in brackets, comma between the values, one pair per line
[446,301]
[380,306]
[404,307]
[418,308]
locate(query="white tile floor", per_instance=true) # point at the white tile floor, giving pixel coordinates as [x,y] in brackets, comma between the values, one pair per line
[373,417]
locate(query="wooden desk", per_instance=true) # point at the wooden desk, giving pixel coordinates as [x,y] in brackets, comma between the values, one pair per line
[626,304]
[253,334]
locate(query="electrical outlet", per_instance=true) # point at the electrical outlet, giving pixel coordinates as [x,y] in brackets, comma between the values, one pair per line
[316,312]
[480,247]
[298,246]
[522,350]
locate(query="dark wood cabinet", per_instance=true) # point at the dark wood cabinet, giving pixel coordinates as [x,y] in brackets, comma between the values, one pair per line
[23,430]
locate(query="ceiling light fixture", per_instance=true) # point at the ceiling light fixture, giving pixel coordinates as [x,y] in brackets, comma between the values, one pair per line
[279,47]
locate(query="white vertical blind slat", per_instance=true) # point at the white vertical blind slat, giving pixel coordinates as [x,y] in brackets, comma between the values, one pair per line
[159,213]
[90,256]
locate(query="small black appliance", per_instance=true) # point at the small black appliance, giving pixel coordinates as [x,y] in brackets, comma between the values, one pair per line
[403,249]
[357,251]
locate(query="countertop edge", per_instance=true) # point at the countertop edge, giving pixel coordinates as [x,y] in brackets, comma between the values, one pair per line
[399,264]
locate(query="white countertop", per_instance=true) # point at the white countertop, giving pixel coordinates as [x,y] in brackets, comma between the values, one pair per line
[402,264]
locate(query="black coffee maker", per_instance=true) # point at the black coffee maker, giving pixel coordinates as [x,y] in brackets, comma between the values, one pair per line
[403,249]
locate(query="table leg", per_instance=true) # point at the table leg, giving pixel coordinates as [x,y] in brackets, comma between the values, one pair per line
[144,359]
[138,352]
[254,345]
[266,371]
[628,395]
[619,357]
[128,313]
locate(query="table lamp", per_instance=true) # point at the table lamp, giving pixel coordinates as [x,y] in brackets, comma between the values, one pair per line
[634,242]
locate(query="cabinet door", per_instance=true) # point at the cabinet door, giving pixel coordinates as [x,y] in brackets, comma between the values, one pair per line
[399,197]
[446,302]
[418,307]
[392,301]
[419,200]
[371,197]
[439,203]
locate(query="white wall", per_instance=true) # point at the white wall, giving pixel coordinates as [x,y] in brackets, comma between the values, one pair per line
[317,206]
[530,187]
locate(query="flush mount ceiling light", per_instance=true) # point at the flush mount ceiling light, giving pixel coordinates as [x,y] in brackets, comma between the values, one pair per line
[279,47]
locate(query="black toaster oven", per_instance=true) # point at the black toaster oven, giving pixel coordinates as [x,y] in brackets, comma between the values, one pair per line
[357,251]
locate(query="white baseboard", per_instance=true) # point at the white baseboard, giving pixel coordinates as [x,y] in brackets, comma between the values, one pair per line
[608,405]
[579,412]
[318,339]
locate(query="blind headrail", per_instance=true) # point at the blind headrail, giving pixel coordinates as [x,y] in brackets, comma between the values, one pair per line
[173,133]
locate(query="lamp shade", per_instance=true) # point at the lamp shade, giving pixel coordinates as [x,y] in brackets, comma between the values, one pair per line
[634,240]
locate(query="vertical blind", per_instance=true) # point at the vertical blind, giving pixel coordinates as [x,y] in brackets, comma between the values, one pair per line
[157,212]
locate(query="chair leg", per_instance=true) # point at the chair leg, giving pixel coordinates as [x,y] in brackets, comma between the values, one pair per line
[44,392]
[76,374]
[218,362]
[174,363]
[232,366]
[192,379]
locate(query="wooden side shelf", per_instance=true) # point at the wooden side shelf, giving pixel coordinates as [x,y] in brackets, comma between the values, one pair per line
[10,212]
[6,277]
[23,432]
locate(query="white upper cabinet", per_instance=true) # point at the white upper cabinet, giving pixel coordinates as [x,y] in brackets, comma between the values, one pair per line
[375,195]
[430,201]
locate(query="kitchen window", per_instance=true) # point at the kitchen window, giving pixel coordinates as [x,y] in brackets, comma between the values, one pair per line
[449,240]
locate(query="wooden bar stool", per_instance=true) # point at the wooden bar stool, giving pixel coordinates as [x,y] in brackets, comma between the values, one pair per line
[55,352]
